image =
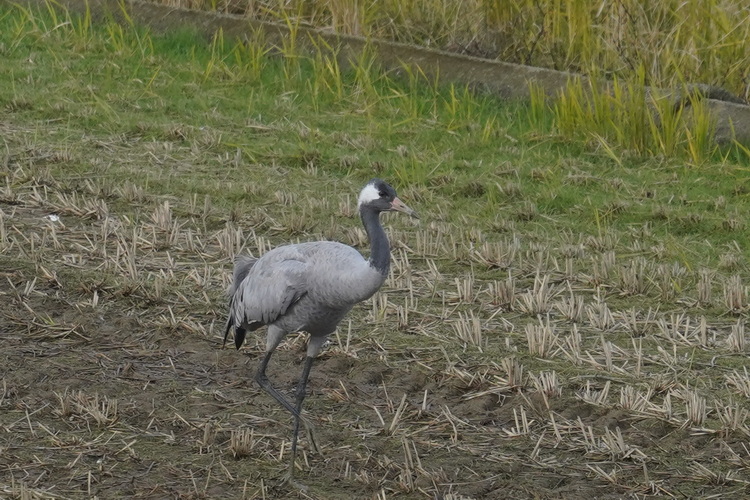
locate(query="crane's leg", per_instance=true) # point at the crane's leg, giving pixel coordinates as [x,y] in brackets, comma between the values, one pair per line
[273,338]
[265,384]
[275,335]
[301,388]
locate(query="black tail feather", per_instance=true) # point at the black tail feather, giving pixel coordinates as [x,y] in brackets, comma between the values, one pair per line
[239,336]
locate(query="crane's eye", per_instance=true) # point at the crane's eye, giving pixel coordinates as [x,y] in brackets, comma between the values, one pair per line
[382,194]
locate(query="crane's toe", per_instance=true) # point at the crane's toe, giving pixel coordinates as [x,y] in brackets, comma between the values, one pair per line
[288,479]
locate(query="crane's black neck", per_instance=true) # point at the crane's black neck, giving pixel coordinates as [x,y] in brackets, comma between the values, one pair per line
[380,253]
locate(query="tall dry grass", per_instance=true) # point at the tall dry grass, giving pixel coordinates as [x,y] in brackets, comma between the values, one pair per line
[675,41]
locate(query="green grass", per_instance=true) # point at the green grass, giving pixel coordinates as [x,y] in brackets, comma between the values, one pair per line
[622,47]
[165,154]
[450,145]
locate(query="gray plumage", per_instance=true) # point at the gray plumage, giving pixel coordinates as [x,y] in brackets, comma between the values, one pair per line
[304,287]
[310,287]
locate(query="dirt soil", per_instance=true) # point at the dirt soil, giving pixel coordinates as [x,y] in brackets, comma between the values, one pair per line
[113,385]
[97,404]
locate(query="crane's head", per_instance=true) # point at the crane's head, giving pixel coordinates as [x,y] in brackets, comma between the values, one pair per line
[380,196]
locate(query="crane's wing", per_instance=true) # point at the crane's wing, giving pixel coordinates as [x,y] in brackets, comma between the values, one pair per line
[263,289]
[243,264]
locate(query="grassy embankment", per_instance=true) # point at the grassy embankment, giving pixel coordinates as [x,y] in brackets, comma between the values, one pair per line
[630,42]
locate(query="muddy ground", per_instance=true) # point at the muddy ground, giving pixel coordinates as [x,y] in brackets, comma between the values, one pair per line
[115,388]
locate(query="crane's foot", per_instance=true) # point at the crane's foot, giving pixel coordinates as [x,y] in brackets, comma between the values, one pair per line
[288,480]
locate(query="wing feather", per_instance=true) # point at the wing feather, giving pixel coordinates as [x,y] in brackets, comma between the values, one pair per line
[334,275]
[268,287]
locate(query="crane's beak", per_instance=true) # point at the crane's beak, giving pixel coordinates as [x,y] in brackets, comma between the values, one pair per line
[399,206]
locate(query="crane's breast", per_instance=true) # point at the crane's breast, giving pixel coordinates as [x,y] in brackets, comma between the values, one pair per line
[341,276]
